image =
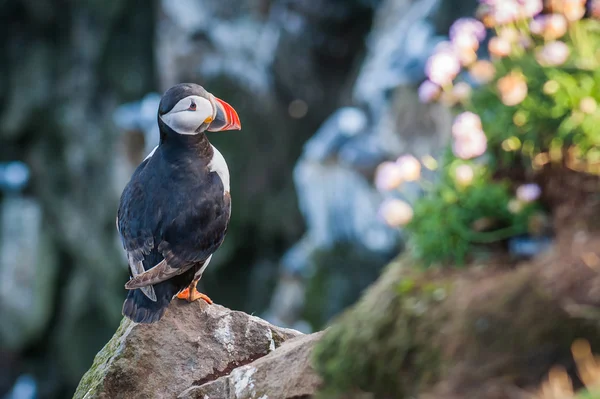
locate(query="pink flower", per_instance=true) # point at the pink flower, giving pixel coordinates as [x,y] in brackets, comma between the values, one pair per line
[528,192]
[505,11]
[469,139]
[466,56]
[467,26]
[395,212]
[410,167]
[482,71]
[442,67]
[508,33]
[464,175]
[466,42]
[531,8]
[499,47]
[553,54]
[573,10]
[465,124]
[550,26]
[388,176]
[470,146]
[466,33]
[461,91]
[429,91]
[512,88]
[501,12]
[556,26]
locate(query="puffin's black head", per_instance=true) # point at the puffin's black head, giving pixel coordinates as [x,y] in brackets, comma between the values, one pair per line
[189,109]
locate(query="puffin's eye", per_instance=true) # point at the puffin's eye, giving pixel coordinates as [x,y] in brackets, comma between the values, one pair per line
[192,107]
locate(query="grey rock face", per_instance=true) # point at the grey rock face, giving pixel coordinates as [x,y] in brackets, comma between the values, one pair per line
[192,345]
[285,373]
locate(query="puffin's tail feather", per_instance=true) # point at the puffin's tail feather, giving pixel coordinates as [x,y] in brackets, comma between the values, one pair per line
[140,309]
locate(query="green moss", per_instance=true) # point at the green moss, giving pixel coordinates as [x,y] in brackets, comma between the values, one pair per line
[90,385]
[384,345]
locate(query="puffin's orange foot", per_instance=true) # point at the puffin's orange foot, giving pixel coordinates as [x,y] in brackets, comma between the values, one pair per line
[184,294]
[193,295]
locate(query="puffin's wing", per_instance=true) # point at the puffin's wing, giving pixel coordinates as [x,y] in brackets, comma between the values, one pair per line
[135,229]
[192,236]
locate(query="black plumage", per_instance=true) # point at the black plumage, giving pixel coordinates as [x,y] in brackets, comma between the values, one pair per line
[174,212]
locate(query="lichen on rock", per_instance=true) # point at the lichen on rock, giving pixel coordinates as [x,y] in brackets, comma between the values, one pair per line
[91,383]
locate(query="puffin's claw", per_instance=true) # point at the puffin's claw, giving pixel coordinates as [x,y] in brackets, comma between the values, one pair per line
[193,294]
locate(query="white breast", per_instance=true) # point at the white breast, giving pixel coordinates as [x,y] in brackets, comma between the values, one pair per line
[218,164]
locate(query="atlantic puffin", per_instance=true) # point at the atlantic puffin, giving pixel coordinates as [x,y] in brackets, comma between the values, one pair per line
[174,212]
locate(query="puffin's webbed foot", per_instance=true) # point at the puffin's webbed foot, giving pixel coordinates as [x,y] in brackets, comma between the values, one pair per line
[192,294]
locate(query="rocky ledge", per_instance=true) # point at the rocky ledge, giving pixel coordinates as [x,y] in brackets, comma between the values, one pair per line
[202,351]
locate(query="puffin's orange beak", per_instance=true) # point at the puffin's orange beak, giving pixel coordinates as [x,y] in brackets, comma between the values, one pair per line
[226,118]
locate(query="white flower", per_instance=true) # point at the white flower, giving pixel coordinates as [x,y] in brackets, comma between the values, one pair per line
[506,11]
[410,168]
[467,26]
[470,146]
[442,67]
[388,176]
[551,26]
[553,54]
[531,8]
[466,123]
[462,91]
[464,175]
[395,212]
[588,105]
[528,192]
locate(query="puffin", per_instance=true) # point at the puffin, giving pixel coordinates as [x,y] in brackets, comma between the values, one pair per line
[174,212]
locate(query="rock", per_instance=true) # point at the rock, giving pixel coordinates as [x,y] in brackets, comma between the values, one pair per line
[285,373]
[192,345]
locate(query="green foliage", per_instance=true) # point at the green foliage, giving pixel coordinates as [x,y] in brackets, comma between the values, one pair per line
[442,228]
[560,107]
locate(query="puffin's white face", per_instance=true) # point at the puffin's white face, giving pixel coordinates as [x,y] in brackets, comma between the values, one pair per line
[189,114]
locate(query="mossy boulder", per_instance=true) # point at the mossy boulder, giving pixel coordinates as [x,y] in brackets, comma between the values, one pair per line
[487,332]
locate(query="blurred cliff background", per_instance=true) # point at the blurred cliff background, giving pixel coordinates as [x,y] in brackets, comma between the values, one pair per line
[326,90]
